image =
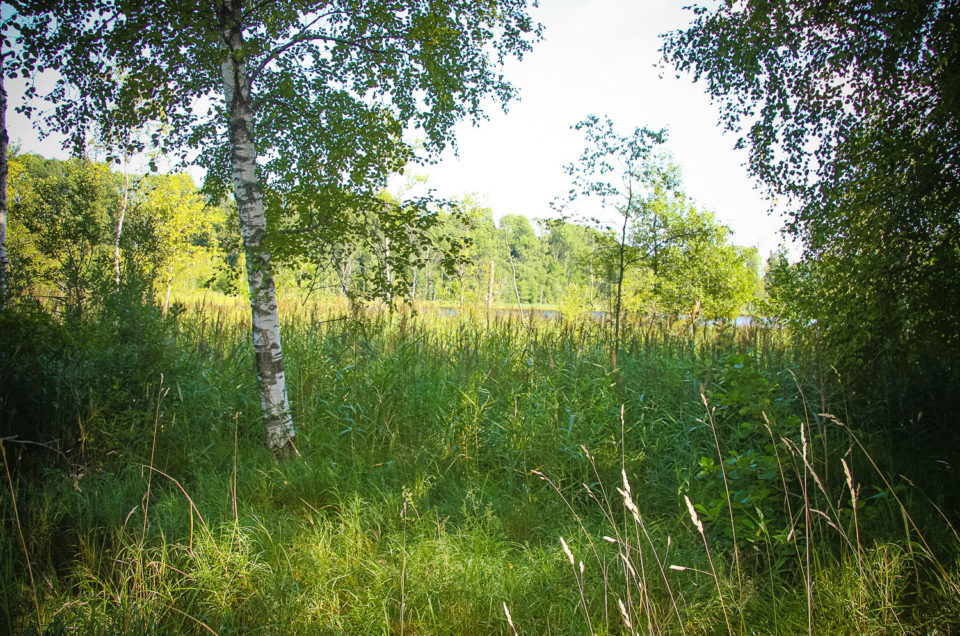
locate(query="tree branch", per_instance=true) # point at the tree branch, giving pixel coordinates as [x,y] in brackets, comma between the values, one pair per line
[304,36]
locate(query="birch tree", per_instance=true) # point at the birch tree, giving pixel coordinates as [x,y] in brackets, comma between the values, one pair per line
[313,102]
[18,56]
[619,172]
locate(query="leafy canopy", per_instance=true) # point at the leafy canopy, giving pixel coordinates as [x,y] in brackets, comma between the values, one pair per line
[338,87]
[851,112]
[801,80]
[665,253]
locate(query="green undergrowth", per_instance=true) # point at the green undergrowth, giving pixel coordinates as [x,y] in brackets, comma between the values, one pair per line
[451,469]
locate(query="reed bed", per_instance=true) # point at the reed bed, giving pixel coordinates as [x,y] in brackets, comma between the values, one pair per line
[459,474]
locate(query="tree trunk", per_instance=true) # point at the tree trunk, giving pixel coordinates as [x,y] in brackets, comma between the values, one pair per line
[516,290]
[253,226]
[4,140]
[490,293]
[616,312]
[426,278]
[593,250]
[693,318]
[387,274]
[166,299]
[116,238]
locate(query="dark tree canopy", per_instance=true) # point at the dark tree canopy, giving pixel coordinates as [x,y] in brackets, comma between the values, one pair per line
[850,110]
[800,79]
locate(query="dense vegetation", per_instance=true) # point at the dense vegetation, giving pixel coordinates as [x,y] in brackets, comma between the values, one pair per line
[501,427]
[442,461]
[850,113]
[65,219]
[443,456]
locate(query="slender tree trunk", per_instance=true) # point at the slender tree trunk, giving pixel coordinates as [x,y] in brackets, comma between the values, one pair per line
[253,226]
[343,264]
[693,318]
[4,141]
[616,311]
[387,274]
[166,300]
[490,293]
[426,278]
[123,213]
[593,249]
[516,290]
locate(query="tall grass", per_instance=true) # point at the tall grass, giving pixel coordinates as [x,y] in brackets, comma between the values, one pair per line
[460,476]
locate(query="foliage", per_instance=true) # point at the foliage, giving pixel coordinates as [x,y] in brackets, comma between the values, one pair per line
[173,238]
[574,305]
[83,386]
[664,256]
[749,412]
[178,215]
[414,502]
[849,110]
[704,273]
[61,217]
[808,84]
[375,75]
[64,216]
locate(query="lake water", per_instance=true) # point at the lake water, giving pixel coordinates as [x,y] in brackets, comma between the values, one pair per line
[553,314]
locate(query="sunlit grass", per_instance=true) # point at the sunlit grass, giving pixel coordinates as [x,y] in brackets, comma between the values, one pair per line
[442,459]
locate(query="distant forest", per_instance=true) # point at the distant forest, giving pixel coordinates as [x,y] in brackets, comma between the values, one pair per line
[78,227]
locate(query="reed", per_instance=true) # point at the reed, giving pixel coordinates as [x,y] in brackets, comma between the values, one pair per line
[443,458]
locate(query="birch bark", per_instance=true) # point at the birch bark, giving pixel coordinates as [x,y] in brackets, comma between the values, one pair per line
[253,227]
[3,187]
[119,232]
[490,294]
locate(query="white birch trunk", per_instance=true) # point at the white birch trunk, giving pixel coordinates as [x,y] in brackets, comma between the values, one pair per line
[122,215]
[4,139]
[253,226]
[490,294]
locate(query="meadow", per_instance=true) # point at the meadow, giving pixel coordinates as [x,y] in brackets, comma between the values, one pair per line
[457,474]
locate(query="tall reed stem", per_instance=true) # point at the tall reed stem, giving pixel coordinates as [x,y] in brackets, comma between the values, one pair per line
[23,543]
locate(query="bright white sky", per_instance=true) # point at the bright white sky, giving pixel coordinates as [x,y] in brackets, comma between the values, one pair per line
[602,57]
[597,57]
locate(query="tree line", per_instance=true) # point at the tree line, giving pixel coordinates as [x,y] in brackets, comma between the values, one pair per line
[80,231]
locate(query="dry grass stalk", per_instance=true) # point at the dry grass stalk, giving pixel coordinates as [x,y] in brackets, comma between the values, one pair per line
[506,611]
[579,580]
[23,543]
[695,518]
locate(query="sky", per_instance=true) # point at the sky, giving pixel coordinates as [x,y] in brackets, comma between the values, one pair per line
[602,57]
[597,57]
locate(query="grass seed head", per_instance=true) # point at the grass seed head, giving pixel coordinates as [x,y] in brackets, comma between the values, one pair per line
[625,615]
[693,514]
[566,550]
